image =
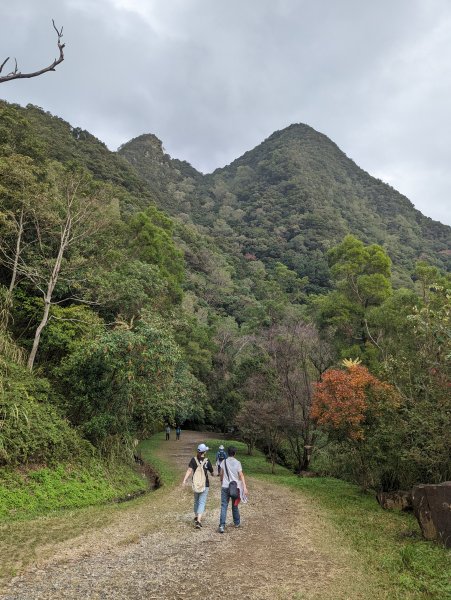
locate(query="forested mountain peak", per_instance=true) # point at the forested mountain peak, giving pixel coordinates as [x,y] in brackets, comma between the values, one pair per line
[313,159]
[148,143]
[148,148]
[296,135]
[163,174]
[289,200]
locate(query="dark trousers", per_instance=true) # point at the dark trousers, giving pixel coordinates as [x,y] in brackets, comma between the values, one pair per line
[225,497]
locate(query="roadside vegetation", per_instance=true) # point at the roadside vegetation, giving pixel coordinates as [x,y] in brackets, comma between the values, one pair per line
[68,505]
[34,492]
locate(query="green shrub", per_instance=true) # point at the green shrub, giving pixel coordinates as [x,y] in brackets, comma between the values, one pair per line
[31,430]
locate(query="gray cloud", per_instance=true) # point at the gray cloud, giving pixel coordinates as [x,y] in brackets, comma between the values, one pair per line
[213,79]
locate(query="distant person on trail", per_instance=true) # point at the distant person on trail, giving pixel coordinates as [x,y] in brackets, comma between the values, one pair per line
[221,455]
[168,432]
[233,487]
[199,467]
[178,431]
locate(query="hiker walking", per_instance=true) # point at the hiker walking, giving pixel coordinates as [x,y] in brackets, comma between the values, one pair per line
[233,487]
[178,431]
[221,455]
[168,432]
[199,467]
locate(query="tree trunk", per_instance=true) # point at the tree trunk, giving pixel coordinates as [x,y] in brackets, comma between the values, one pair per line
[300,454]
[50,288]
[296,448]
[273,464]
[37,335]
[12,283]
[306,457]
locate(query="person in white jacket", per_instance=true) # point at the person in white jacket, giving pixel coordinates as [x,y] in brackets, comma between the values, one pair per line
[231,470]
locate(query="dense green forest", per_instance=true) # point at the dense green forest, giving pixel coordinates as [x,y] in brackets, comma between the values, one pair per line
[290,200]
[290,296]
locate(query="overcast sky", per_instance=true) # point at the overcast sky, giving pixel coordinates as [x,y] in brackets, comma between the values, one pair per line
[213,78]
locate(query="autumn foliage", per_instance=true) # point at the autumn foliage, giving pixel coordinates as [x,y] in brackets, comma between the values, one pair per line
[348,401]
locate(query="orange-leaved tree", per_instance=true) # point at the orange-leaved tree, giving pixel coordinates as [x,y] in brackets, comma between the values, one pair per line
[350,401]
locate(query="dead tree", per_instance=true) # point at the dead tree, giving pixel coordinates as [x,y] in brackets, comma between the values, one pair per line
[77,215]
[16,74]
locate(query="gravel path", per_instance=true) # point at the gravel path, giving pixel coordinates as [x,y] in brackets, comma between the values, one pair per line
[285,550]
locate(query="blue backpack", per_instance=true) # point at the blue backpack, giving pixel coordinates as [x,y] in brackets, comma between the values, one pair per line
[221,455]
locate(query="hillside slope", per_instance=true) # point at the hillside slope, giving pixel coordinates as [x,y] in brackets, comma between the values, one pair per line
[290,199]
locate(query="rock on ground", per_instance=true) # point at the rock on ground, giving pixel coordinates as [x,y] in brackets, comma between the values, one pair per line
[432,508]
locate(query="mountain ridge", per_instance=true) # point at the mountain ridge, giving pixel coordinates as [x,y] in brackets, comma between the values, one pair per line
[193,171]
[298,190]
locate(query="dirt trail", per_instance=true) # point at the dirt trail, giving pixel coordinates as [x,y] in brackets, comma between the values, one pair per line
[285,550]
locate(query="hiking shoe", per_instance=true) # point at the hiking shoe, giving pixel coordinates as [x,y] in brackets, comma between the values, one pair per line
[198,525]
[237,525]
[221,529]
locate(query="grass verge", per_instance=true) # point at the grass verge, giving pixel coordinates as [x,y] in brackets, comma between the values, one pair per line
[389,542]
[49,506]
[150,452]
[30,493]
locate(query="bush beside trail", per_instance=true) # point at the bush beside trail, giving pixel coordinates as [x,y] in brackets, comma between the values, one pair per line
[44,464]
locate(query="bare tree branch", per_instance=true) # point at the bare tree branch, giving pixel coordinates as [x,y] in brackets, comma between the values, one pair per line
[55,318]
[76,299]
[16,74]
[3,64]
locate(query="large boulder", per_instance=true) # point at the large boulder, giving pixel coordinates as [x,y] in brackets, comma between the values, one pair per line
[399,500]
[432,508]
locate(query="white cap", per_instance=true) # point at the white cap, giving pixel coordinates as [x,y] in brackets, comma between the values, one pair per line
[221,447]
[202,448]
